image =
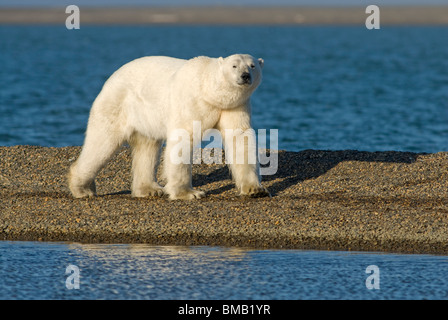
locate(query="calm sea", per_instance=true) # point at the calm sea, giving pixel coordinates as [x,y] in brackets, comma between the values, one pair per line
[330,88]
[31,270]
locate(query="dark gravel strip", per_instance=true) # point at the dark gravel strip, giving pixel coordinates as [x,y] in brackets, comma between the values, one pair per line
[329,200]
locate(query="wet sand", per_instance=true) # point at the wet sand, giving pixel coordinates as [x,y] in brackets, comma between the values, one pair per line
[229,15]
[328,200]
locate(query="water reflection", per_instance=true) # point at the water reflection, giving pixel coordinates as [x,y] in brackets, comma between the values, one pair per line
[159,271]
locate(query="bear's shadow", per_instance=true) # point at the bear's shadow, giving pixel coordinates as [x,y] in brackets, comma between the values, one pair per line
[295,167]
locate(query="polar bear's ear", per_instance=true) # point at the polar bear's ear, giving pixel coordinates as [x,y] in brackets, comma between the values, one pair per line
[261,62]
[220,60]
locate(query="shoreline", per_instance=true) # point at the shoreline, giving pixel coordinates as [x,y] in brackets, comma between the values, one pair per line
[322,200]
[389,15]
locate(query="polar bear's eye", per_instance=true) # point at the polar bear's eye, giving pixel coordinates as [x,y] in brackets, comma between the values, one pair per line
[234,67]
[252,66]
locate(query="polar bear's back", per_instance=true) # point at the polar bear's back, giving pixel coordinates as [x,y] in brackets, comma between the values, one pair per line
[157,68]
[162,63]
[137,91]
[147,77]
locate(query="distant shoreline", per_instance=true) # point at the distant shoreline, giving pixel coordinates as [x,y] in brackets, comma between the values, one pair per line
[394,15]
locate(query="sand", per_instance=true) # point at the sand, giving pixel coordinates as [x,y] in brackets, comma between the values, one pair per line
[389,15]
[326,200]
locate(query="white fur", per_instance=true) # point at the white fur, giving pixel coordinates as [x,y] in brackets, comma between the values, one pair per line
[144,101]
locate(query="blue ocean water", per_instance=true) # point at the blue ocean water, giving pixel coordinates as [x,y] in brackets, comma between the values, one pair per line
[331,88]
[31,270]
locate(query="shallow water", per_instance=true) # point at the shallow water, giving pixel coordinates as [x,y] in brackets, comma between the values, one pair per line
[331,88]
[36,270]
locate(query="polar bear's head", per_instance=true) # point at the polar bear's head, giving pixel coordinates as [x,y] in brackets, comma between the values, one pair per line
[242,70]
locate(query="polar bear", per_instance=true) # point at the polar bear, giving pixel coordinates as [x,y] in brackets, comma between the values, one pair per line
[147,99]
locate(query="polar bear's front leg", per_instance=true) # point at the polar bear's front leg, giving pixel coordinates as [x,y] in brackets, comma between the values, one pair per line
[177,167]
[241,152]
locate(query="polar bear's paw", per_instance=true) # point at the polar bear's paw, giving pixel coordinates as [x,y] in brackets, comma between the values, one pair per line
[187,194]
[83,191]
[153,190]
[80,188]
[254,191]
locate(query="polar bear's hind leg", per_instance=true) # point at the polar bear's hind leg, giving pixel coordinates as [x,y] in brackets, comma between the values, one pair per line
[145,158]
[98,147]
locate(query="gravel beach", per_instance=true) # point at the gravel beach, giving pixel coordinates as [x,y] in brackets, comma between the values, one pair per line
[328,200]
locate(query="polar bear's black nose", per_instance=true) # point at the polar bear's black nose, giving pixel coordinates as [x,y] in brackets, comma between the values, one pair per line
[246,77]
